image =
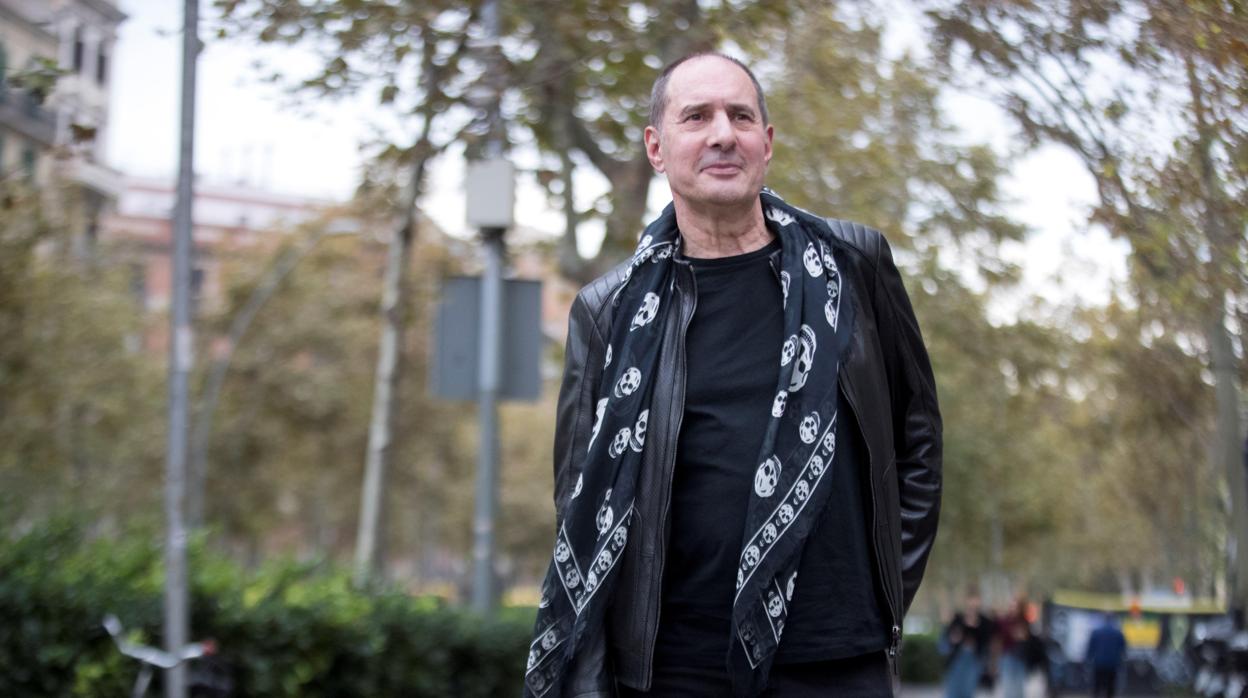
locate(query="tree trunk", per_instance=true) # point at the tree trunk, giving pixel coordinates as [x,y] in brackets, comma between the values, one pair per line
[1226,454]
[1226,445]
[386,382]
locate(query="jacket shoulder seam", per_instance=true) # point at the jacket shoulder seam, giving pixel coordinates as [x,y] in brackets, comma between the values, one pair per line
[596,295]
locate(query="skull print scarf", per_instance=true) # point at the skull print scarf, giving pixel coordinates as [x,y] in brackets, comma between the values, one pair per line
[791,483]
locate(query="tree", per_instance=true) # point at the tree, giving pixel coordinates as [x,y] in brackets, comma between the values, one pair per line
[420,45]
[80,407]
[1149,95]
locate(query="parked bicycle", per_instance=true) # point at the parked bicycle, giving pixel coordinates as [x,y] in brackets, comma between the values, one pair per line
[152,658]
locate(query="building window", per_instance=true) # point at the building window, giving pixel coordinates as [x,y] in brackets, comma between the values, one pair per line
[101,66]
[28,160]
[80,50]
[197,289]
[138,284]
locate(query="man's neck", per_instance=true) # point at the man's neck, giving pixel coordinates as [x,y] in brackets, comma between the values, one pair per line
[711,232]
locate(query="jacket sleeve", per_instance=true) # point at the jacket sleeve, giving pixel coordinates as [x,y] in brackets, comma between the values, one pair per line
[589,675]
[916,421]
[573,418]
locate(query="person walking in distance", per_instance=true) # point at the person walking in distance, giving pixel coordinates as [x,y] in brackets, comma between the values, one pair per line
[967,646]
[1107,647]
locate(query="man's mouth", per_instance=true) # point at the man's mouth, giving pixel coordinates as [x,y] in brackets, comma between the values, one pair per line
[722,167]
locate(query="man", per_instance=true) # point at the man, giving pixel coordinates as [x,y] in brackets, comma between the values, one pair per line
[747,450]
[1106,648]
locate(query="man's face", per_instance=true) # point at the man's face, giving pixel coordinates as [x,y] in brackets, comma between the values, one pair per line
[712,143]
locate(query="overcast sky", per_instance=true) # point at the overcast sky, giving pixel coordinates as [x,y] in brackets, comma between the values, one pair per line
[248,132]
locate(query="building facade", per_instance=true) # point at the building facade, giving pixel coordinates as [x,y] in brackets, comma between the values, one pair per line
[56,61]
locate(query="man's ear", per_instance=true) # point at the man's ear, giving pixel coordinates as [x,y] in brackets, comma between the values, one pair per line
[771,134]
[652,148]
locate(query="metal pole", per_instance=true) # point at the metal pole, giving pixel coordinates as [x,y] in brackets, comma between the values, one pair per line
[484,591]
[180,360]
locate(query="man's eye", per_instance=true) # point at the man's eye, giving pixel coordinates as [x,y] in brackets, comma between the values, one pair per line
[694,117]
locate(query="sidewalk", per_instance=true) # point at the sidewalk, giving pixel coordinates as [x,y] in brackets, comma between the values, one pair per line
[1034,689]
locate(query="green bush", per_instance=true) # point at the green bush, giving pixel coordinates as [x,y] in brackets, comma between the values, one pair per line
[289,630]
[921,662]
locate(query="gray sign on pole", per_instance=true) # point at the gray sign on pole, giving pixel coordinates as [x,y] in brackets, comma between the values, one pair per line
[456,358]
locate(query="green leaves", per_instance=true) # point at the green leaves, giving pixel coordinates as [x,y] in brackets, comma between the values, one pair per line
[306,634]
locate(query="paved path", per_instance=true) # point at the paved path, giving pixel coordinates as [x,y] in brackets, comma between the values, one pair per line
[1034,689]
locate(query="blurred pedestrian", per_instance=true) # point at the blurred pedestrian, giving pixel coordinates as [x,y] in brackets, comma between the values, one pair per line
[1106,648]
[966,643]
[1013,632]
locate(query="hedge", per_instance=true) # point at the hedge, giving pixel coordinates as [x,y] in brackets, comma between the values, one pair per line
[288,630]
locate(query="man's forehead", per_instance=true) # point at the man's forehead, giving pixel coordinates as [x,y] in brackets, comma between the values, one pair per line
[710,79]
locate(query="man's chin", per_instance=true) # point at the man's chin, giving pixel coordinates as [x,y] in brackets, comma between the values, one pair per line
[728,196]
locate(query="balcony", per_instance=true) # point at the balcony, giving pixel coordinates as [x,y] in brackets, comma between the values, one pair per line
[21,113]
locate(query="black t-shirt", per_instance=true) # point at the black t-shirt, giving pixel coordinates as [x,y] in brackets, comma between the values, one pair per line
[733,358]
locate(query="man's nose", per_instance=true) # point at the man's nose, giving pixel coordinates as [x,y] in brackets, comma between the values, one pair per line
[721,134]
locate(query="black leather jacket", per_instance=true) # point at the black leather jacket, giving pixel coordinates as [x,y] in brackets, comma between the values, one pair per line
[888,384]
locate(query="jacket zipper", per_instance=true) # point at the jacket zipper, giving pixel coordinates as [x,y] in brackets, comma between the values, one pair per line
[894,644]
[667,498]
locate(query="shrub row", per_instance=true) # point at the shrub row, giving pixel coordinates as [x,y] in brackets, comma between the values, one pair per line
[289,630]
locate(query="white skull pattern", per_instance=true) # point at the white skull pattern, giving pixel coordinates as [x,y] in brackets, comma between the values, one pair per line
[788,591]
[533,655]
[829,440]
[580,484]
[549,639]
[591,581]
[598,411]
[751,556]
[789,350]
[829,262]
[784,287]
[638,441]
[786,513]
[628,382]
[604,561]
[619,443]
[780,217]
[802,490]
[562,552]
[572,579]
[834,288]
[805,359]
[774,605]
[810,258]
[816,465]
[621,535]
[605,515]
[607,362]
[740,578]
[644,242]
[662,254]
[777,405]
[809,428]
[769,533]
[766,477]
[831,313]
[649,308]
